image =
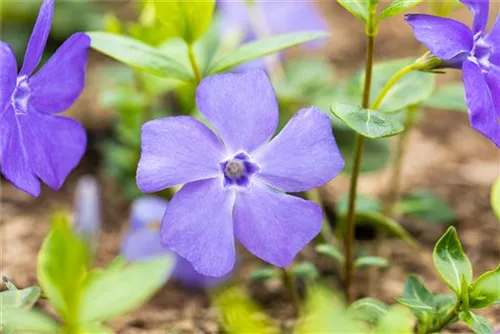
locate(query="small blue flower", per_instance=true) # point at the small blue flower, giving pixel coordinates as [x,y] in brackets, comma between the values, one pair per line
[474,51]
[36,144]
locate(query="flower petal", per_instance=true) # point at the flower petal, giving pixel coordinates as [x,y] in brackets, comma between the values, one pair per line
[274,226]
[8,74]
[242,107]
[480,9]
[56,86]
[198,226]
[304,155]
[142,245]
[14,161]
[187,276]
[177,150]
[445,38]
[493,81]
[482,113]
[54,145]
[38,38]
[493,38]
[146,211]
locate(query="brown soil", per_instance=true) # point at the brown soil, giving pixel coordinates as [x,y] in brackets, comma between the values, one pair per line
[445,155]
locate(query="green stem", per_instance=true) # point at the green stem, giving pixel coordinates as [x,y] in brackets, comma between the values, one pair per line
[194,64]
[289,282]
[326,233]
[447,319]
[349,242]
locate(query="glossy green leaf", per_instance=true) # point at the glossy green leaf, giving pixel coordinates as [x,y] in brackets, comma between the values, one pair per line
[358,8]
[139,55]
[371,261]
[448,97]
[485,291]
[368,309]
[363,203]
[426,206]
[27,321]
[415,305]
[397,7]
[495,198]
[384,223]
[263,47]
[397,320]
[114,292]
[62,266]
[419,299]
[451,261]
[305,270]
[264,274]
[23,298]
[185,18]
[369,123]
[331,251]
[476,322]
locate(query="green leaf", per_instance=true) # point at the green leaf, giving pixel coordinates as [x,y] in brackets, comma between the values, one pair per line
[368,309]
[475,322]
[139,55]
[495,198]
[331,251]
[485,291]
[451,261]
[398,6]
[449,97]
[363,203]
[371,261]
[115,292]
[23,298]
[385,223]
[264,274]
[9,284]
[186,19]
[369,123]
[397,320]
[27,321]
[415,305]
[305,270]
[358,8]
[263,47]
[426,206]
[420,301]
[62,266]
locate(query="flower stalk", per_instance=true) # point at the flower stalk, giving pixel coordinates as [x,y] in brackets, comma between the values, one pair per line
[194,64]
[289,282]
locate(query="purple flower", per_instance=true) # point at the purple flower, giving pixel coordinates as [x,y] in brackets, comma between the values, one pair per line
[142,242]
[233,182]
[476,52]
[36,144]
[87,211]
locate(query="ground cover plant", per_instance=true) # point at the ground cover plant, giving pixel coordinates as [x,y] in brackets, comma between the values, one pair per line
[226,134]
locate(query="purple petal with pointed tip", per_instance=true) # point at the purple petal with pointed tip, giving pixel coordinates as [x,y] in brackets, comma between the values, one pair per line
[198,226]
[57,85]
[242,107]
[38,38]
[480,9]
[147,210]
[445,38]
[8,75]
[177,150]
[482,113]
[304,155]
[274,226]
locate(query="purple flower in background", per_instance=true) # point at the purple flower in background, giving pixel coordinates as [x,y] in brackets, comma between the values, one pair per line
[87,211]
[142,242]
[35,144]
[233,183]
[476,52]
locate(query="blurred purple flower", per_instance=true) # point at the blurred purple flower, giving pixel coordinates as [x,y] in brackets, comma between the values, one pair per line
[35,144]
[233,183]
[87,210]
[142,241]
[476,52]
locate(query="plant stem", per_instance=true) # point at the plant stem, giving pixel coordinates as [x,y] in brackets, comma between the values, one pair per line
[349,242]
[289,282]
[447,319]
[194,64]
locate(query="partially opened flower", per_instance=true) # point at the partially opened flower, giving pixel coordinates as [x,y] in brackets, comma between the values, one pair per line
[36,144]
[142,242]
[234,182]
[474,51]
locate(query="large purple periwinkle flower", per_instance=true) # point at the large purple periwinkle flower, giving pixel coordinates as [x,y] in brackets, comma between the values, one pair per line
[476,52]
[142,242]
[35,144]
[233,182]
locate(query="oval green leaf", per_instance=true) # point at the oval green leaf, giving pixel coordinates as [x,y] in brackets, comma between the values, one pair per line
[23,298]
[397,7]
[368,309]
[331,251]
[485,291]
[426,206]
[263,47]
[384,223]
[477,323]
[367,122]
[371,261]
[264,274]
[397,320]
[305,270]
[451,262]
[449,97]
[27,321]
[139,55]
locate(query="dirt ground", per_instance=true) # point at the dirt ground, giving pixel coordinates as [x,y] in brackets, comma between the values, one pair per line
[445,155]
